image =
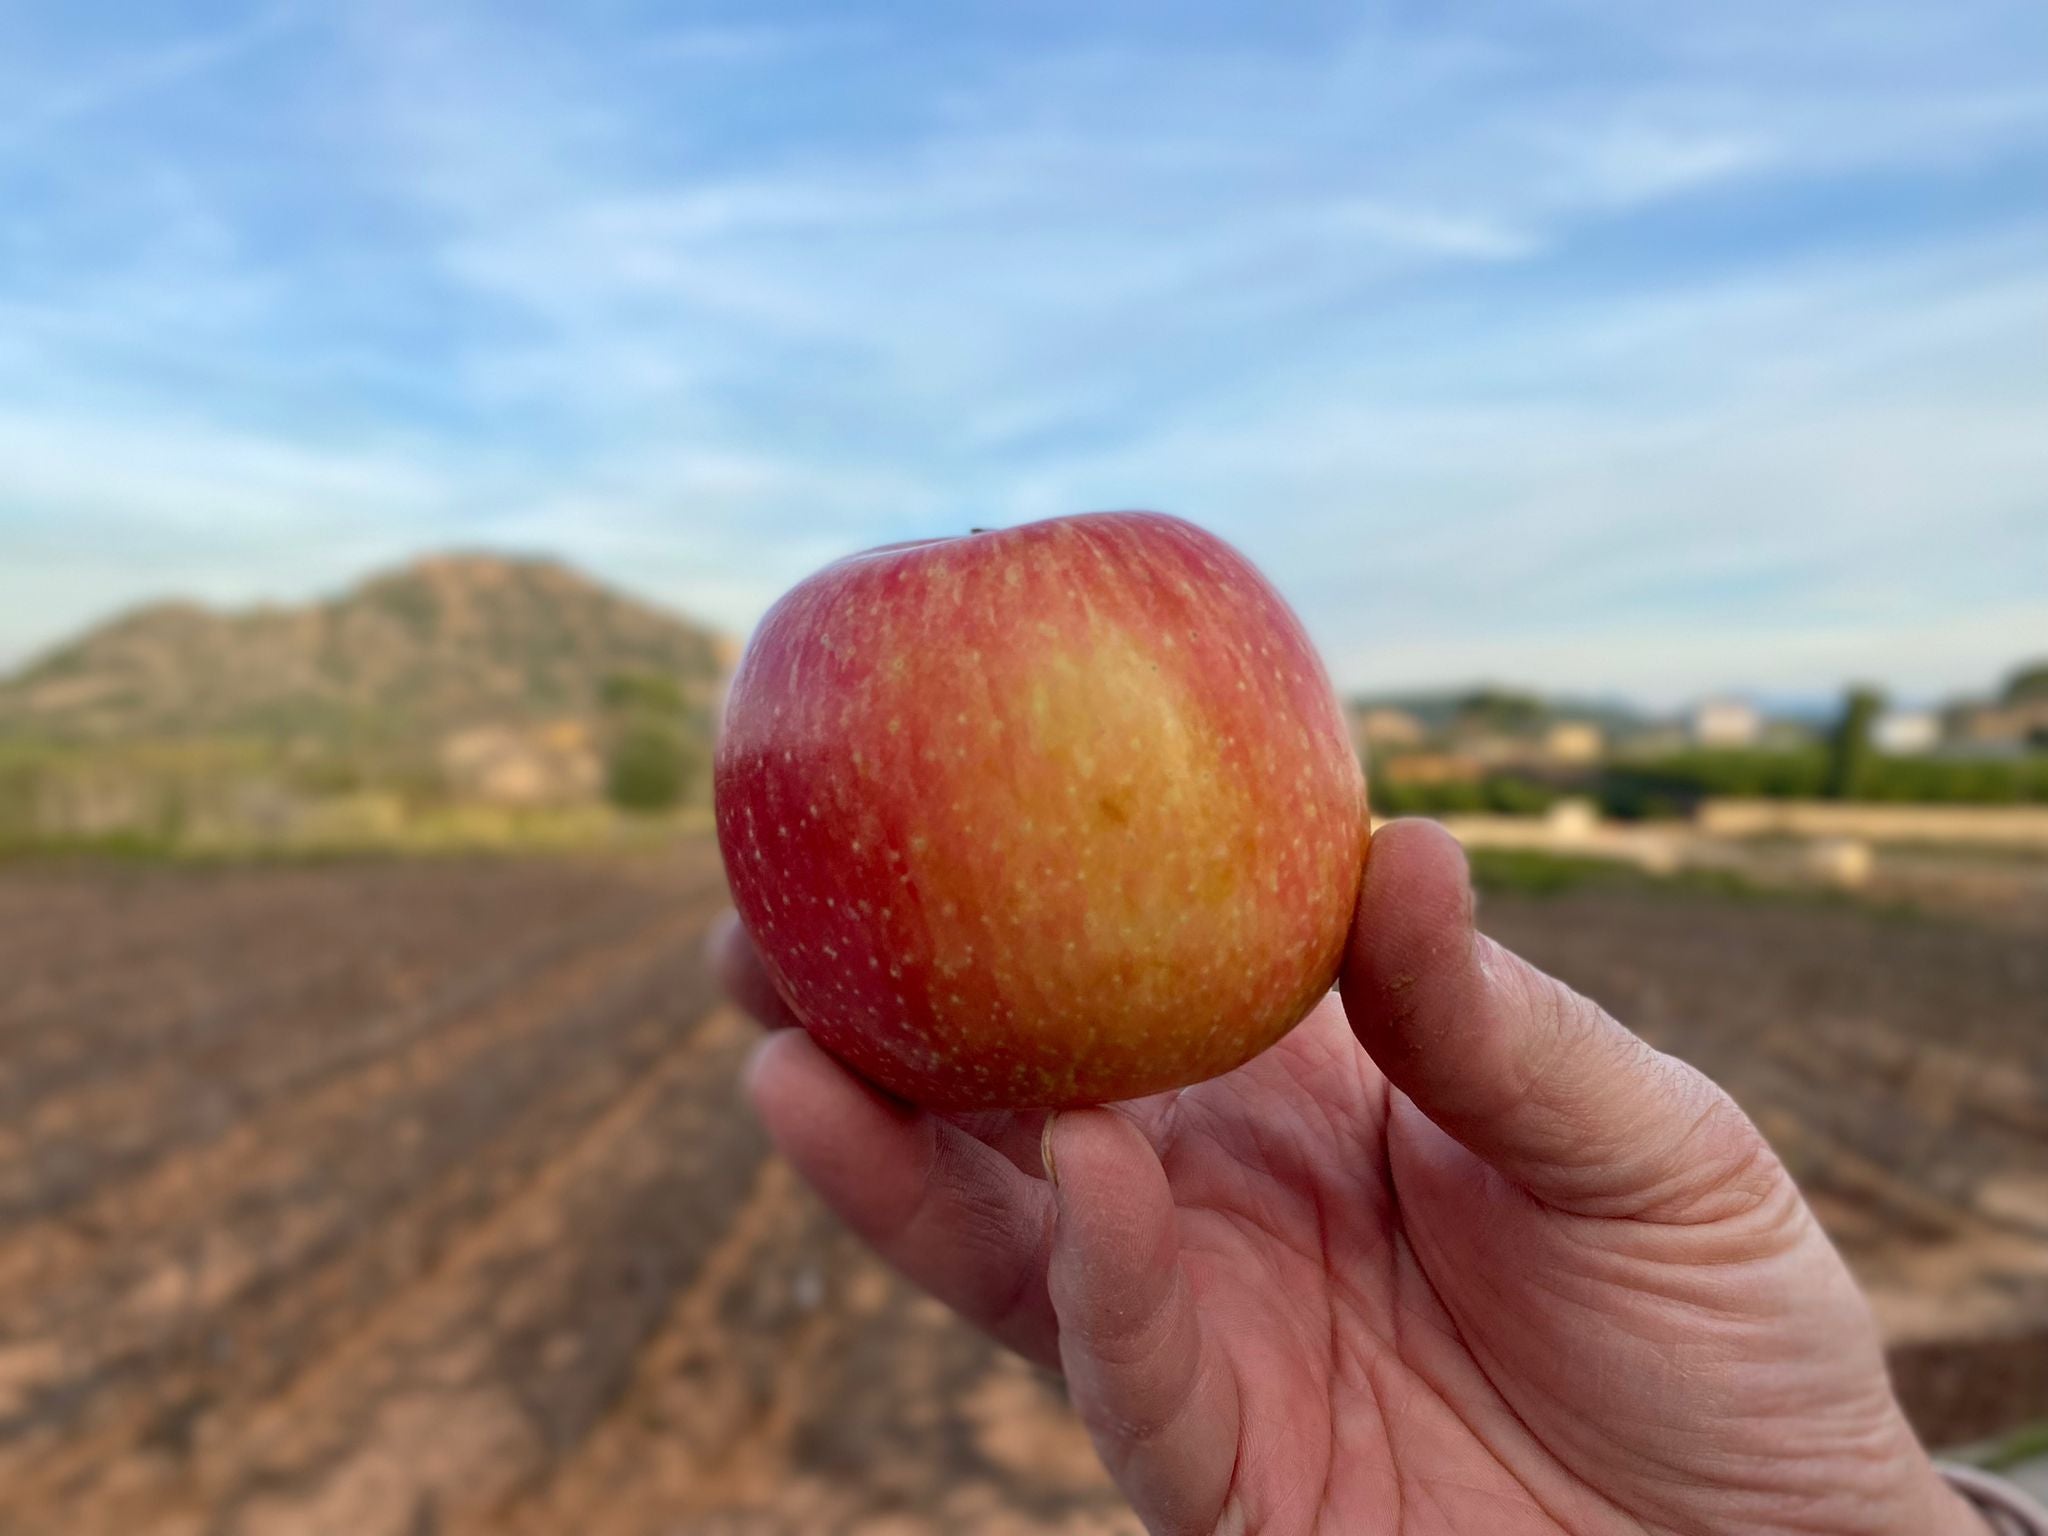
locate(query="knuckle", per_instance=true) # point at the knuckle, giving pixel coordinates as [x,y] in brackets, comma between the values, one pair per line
[1719,1168]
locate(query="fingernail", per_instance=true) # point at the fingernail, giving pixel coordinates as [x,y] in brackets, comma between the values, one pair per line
[1052,1172]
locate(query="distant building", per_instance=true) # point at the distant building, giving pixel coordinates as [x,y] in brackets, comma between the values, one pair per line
[1574,741]
[1655,741]
[1998,727]
[1434,768]
[1726,723]
[555,764]
[1495,749]
[1384,727]
[1906,732]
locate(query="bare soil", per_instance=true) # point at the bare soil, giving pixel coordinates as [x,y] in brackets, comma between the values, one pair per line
[416,1199]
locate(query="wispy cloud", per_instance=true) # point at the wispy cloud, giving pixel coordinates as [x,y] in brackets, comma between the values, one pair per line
[723,45]
[1564,333]
[1433,232]
[126,81]
[163,480]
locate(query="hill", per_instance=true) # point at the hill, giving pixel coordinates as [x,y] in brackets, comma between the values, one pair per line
[459,697]
[411,655]
[1491,706]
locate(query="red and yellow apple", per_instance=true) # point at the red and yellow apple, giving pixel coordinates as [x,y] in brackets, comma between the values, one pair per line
[1052,815]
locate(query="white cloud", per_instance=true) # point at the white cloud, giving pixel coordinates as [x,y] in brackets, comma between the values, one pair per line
[1628,163]
[1394,310]
[1773,476]
[1431,232]
[1666,664]
[1069,226]
[724,46]
[97,514]
[192,479]
[45,107]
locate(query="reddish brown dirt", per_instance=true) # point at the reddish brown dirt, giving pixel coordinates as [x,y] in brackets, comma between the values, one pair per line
[417,1200]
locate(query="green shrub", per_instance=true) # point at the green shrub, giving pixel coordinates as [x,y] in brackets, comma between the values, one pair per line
[1398,798]
[1536,873]
[653,767]
[1518,797]
[1850,752]
[2027,683]
[1671,785]
[652,692]
[1503,794]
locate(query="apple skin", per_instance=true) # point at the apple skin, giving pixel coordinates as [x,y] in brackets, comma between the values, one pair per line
[1054,815]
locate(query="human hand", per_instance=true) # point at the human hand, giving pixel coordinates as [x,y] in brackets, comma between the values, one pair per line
[1459,1254]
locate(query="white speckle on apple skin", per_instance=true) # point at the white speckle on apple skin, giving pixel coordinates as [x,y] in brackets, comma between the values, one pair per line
[1098,865]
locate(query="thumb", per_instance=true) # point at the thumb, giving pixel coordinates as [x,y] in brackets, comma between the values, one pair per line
[1533,1078]
[1153,1389]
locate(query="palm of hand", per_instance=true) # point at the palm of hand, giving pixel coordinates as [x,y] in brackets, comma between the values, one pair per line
[1578,1295]
[1354,1402]
[1387,1314]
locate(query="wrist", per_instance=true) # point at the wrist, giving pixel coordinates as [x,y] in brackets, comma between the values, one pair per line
[1994,1504]
[1923,1500]
[1908,1493]
[1955,1515]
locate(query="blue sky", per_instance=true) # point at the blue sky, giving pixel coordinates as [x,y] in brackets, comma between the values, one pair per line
[1595,344]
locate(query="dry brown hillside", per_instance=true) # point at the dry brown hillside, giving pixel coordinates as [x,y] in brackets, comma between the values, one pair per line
[441,644]
[457,681]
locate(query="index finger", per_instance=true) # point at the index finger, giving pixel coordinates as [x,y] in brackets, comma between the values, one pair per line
[1013,1133]
[950,1213]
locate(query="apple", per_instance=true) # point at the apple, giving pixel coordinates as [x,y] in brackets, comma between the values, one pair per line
[1052,815]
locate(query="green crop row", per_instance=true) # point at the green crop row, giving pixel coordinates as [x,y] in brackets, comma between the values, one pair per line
[1672,785]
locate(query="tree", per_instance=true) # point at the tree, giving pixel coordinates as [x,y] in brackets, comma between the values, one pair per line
[1502,709]
[1849,750]
[653,692]
[657,753]
[2028,683]
[653,766]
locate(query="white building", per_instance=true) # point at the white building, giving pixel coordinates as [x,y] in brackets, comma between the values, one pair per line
[1904,732]
[1726,723]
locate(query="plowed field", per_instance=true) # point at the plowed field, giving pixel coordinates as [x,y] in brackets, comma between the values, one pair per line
[413,1199]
